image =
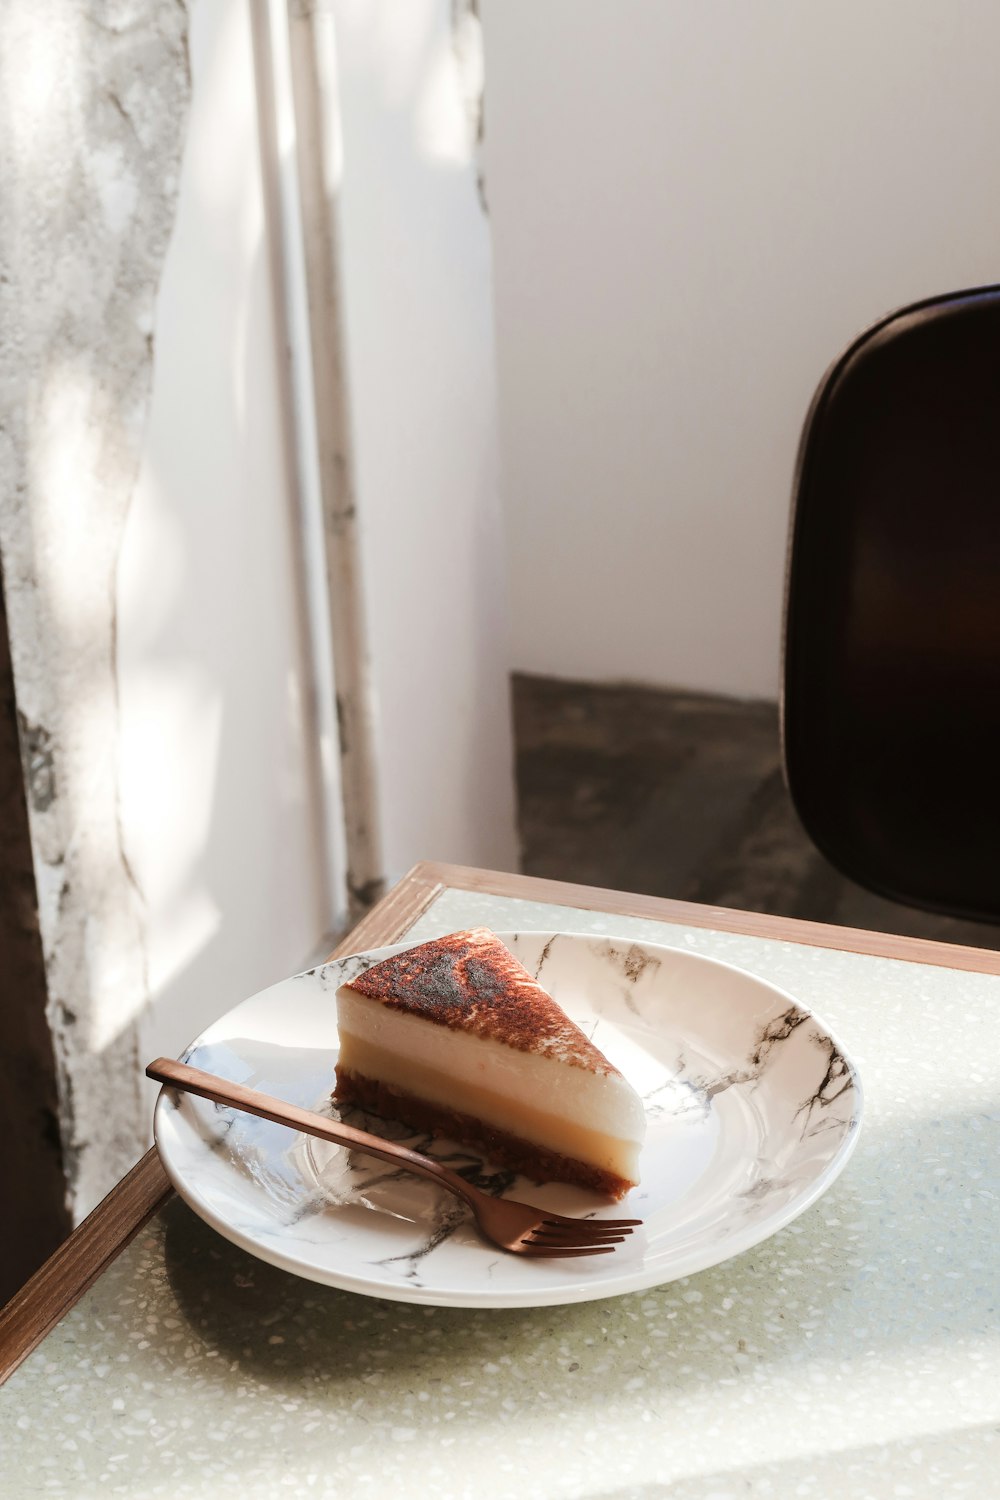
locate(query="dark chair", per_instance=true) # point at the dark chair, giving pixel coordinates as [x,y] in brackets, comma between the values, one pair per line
[891,698]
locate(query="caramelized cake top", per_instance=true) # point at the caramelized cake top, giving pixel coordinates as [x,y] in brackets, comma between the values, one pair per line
[470,982]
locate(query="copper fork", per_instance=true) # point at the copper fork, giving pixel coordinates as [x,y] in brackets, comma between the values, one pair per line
[514,1226]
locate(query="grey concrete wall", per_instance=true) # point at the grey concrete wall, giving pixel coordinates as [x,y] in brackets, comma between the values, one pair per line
[93,104]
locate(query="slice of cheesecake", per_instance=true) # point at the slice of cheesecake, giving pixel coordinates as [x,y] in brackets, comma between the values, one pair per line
[456,1037]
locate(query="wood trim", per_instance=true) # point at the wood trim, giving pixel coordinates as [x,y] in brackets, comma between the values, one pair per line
[719,918]
[62,1280]
[54,1289]
[392,918]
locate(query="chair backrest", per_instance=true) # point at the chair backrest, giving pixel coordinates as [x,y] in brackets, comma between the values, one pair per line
[891,699]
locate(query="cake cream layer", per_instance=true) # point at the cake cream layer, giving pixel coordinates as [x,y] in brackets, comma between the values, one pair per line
[595,1117]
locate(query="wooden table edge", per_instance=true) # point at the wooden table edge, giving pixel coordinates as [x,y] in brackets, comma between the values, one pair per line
[717,918]
[33,1311]
[59,1284]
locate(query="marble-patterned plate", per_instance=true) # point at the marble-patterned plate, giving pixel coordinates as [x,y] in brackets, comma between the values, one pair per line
[753,1109]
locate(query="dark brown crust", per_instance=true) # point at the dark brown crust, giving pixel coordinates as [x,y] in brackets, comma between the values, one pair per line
[505,1150]
[471,982]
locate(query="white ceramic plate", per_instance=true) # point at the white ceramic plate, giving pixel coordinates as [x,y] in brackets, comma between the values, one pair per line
[753,1109]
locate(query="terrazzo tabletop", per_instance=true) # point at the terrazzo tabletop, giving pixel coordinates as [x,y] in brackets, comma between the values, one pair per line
[855,1353]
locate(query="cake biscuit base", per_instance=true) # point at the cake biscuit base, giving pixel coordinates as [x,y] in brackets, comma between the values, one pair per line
[535,1162]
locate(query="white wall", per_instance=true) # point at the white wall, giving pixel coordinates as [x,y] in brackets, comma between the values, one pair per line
[220,817]
[694,207]
[420,361]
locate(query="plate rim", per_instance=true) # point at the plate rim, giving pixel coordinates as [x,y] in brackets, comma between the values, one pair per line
[565,1293]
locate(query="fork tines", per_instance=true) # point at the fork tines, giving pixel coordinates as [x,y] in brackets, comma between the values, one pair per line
[550,1252]
[559,1220]
[564,1236]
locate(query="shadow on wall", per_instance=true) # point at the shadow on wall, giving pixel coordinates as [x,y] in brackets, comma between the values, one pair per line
[90,116]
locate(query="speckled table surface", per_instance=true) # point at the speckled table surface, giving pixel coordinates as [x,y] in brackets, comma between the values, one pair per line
[856,1352]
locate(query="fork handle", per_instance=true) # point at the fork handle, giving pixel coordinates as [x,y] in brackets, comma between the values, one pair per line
[190,1080]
